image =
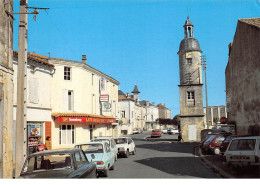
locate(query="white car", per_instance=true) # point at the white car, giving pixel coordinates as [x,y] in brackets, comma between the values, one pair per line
[125,146]
[173,131]
[135,131]
[243,151]
[164,131]
[111,142]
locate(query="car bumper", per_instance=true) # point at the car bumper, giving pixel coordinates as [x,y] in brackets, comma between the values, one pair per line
[242,163]
[101,168]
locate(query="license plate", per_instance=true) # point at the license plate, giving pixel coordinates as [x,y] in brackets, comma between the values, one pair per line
[239,157]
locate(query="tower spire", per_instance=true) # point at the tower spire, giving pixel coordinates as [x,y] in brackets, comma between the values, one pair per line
[188,28]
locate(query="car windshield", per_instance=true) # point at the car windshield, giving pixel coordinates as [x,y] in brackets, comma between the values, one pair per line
[156,131]
[47,162]
[92,148]
[121,140]
[242,144]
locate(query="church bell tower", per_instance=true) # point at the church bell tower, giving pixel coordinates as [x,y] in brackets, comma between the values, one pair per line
[190,88]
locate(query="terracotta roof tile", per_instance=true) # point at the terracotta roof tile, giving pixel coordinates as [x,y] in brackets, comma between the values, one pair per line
[37,58]
[252,21]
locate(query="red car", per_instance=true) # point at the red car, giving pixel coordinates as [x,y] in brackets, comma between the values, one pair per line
[213,143]
[156,133]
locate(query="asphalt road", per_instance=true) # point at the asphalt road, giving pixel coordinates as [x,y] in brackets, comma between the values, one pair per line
[160,159]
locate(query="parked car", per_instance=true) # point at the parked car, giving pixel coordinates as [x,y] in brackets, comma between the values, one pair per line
[212,144]
[111,142]
[164,131]
[101,154]
[125,146]
[243,151]
[156,133]
[172,131]
[225,143]
[62,163]
[135,131]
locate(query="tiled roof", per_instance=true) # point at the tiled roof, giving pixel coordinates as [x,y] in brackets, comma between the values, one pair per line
[121,93]
[251,21]
[37,58]
[74,114]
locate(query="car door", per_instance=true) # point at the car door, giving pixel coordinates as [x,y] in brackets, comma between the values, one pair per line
[82,168]
[110,155]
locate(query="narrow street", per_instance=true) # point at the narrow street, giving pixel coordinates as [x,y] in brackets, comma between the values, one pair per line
[160,160]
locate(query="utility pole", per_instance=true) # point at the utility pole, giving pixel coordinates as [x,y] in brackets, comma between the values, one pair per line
[21,111]
[203,62]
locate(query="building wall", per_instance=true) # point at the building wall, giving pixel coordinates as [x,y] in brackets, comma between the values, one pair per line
[129,121]
[6,90]
[191,111]
[84,83]
[242,80]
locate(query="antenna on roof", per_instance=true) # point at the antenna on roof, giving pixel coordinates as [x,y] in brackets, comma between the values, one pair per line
[49,54]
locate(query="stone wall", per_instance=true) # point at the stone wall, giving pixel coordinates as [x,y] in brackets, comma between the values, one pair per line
[6,90]
[242,79]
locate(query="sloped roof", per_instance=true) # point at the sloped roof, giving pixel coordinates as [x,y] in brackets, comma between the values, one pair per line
[135,89]
[121,93]
[36,58]
[251,21]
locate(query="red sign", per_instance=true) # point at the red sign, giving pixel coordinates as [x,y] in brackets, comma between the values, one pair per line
[104,98]
[85,120]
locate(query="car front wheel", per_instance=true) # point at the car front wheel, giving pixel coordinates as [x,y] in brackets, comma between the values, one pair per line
[127,154]
[134,151]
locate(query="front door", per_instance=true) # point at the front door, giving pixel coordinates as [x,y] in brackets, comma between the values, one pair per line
[192,132]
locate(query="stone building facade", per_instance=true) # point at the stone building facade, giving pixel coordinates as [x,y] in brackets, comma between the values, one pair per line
[190,88]
[243,77]
[164,112]
[6,89]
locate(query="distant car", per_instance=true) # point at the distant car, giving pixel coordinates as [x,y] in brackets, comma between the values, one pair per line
[125,146]
[243,151]
[225,143]
[172,131]
[101,154]
[135,131]
[156,133]
[111,142]
[164,131]
[62,163]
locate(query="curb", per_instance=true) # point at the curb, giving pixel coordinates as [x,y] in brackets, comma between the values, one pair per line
[217,169]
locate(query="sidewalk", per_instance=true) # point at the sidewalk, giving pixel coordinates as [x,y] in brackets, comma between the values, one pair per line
[216,163]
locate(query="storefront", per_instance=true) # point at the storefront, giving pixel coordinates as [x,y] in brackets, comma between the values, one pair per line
[71,128]
[35,135]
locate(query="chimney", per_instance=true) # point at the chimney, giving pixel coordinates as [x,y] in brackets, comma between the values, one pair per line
[127,95]
[164,105]
[160,105]
[84,59]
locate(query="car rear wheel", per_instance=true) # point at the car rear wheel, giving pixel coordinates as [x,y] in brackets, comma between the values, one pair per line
[106,173]
[112,167]
[216,151]
[127,154]
[134,151]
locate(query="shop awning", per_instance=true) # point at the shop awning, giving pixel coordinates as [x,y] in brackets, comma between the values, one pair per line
[72,117]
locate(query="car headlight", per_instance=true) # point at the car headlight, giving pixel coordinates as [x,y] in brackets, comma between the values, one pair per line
[123,148]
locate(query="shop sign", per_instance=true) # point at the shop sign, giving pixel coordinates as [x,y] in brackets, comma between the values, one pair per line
[106,107]
[102,84]
[104,98]
[85,120]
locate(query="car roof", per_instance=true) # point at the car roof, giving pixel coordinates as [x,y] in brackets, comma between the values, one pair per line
[122,137]
[56,151]
[103,137]
[88,143]
[250,137]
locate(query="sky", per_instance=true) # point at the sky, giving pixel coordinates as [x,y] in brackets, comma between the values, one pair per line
[136,41]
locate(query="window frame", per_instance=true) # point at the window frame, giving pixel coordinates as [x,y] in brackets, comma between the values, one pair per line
[72,130]
[190,95]
[67,73]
